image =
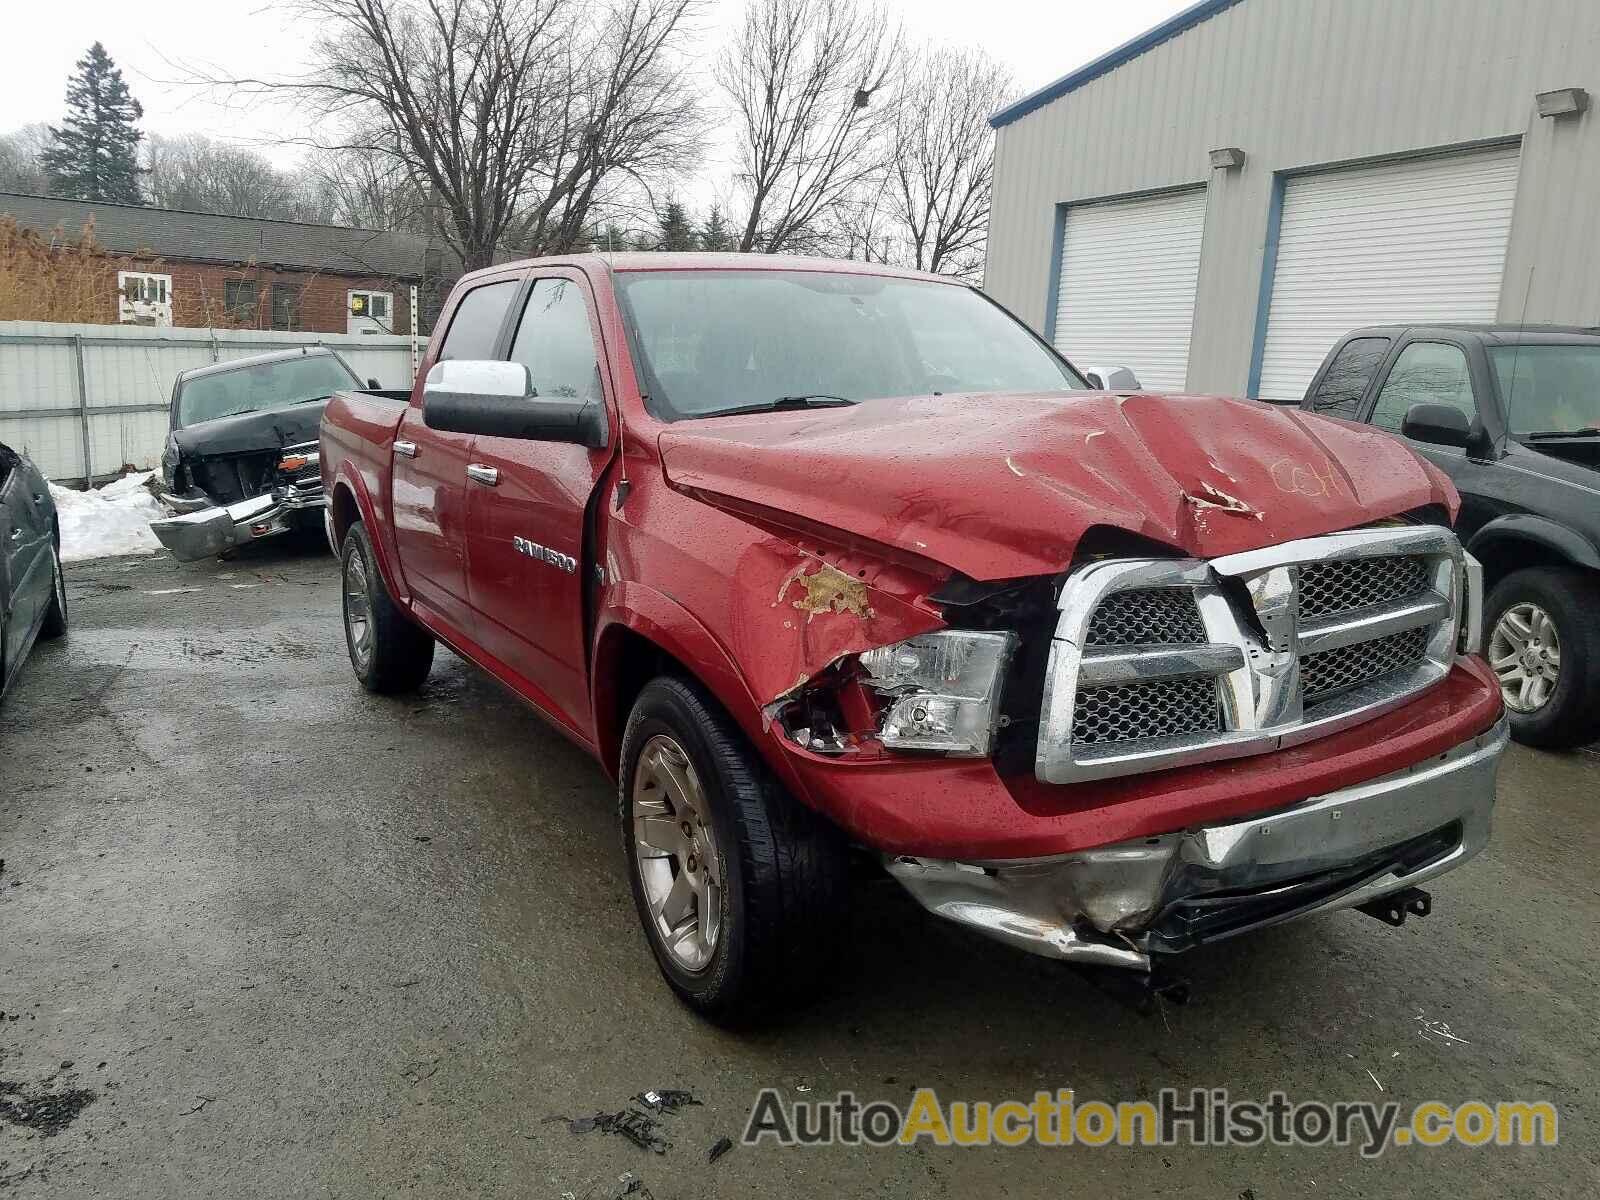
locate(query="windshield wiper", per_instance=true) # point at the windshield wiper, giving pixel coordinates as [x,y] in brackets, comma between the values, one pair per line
[1545,435]
[782,404]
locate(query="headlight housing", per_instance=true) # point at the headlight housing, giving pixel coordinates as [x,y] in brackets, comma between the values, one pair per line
[942,690]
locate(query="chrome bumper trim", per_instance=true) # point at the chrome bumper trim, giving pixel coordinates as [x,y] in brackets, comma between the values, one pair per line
[1114,905]
[211,531]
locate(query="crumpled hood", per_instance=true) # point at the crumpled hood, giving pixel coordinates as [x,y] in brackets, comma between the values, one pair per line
[1004,486]
[251,432]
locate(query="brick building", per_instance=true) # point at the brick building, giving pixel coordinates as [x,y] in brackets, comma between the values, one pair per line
[205,269]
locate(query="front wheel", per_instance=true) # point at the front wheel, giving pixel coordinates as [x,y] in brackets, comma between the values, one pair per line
[739,888]
[1544,647]
[388,650]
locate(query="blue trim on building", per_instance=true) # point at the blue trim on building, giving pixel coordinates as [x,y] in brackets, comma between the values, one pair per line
[1269,267]
[1148,40]
[1052,295]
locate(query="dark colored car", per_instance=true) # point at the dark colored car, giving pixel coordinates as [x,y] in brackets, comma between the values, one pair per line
[241,462]
[33,596]
[1512,414]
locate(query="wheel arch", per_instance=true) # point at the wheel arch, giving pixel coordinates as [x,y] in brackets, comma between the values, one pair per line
[644,634]
[349,502]
[1519,540]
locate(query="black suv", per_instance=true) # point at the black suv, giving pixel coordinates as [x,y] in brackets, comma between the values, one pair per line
[1512,414]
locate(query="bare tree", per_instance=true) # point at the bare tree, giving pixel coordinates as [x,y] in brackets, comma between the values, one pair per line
[801,76]
[20,169]
[203,175]
[518,117]
[366,189]
[941,159]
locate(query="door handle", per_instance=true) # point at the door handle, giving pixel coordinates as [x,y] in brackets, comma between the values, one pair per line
[488,476]
[39,499]
[409,449]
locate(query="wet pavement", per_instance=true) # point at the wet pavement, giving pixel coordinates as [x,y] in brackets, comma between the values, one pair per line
[264,935]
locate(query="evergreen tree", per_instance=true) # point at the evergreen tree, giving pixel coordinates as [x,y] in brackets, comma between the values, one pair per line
[93,154]
[675,233]
[715,234]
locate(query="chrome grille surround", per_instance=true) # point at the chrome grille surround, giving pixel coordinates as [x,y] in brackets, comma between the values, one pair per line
[1253,658]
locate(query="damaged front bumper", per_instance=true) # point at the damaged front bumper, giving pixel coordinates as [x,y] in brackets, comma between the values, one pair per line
[197,533]
[1118,905]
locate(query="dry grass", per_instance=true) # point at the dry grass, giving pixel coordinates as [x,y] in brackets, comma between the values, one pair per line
[56,280]
[59,279]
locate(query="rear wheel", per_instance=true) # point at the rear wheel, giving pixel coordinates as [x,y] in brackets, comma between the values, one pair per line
[1544,648]
[739,888]
[388,650]
[55,617]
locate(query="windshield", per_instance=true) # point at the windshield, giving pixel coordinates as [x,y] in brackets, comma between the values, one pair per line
[715,341]
[262,387]
[1549,389]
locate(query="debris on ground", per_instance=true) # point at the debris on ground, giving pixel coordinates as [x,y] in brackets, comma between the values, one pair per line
[637,1125]
[629,1184]
[639,1128]
[666,1099]
[46,1113]
[718,1148]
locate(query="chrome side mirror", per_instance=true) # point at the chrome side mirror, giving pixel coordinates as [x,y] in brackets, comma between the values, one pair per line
[1112,379]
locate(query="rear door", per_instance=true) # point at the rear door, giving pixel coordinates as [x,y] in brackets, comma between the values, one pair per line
[429,481]
[528,507]
[25,528]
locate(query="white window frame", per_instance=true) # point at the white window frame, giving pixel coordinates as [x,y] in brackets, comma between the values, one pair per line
[387,321]
[130,310]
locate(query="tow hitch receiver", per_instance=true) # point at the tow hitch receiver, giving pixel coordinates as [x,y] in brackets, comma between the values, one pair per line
[1394,908]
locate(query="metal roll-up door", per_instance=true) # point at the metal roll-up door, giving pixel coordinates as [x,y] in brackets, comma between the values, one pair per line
[1126,291]
[1413,241]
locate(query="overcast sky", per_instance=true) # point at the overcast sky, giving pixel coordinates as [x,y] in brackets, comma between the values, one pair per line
[1039,39]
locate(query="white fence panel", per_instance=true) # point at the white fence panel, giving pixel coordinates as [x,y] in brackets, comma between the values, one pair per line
[84,400]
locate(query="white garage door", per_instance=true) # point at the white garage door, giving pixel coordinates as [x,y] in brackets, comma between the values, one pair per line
[1421,240]
[1126,292]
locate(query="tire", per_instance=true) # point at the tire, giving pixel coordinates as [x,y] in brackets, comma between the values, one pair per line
[782,868]
[55,617]
[1563,711]
[389,652]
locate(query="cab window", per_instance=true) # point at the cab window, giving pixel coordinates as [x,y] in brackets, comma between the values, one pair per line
[1339,391]
[555,344]
[476,325]
[1425,373]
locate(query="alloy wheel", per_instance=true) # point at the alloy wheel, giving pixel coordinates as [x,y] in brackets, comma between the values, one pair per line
[679,865]
[1525,652]
[357,609]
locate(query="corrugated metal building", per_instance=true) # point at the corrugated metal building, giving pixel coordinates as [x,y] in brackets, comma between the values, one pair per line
[1384,160]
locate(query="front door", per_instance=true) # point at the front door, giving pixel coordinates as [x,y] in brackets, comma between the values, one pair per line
[528,508]
[429,489]
[1427,372]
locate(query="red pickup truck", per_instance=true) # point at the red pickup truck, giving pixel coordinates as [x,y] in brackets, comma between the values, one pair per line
[832,564]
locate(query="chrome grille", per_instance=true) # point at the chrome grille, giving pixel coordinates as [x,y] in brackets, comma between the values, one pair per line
[1162,663]
[1349,666]
[1345,585]
[1147,617]
[1137,712]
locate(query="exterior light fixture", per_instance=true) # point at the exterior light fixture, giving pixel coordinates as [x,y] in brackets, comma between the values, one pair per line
[1562,102]
[1229,158]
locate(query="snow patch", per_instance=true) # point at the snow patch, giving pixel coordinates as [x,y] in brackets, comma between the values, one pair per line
[114,519]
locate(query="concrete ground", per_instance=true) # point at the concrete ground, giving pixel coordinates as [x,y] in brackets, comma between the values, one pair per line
[262,934]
